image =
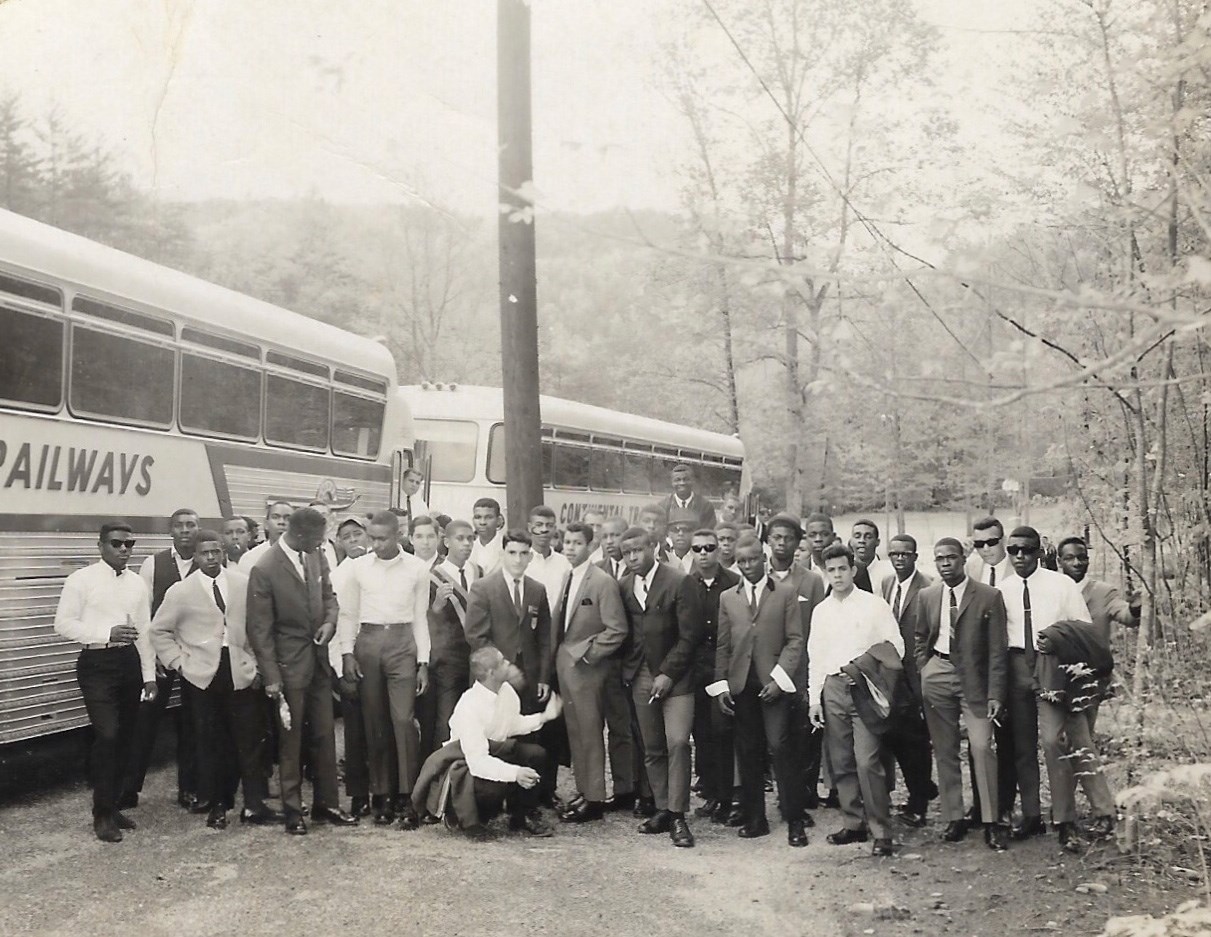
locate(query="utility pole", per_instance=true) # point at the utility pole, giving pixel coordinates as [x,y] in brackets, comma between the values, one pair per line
[518,277]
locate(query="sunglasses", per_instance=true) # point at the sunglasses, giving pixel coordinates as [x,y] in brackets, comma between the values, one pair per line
[1021,551]
[980,544]
[704,548]
[118,544]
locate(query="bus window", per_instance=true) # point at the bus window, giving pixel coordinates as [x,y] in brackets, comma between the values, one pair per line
[662,471]
[548,464]
[636,472]
[496,454]
[120,378]
[731,478]
[31,359]
[452,445]
[572,466]
[219,398]
[357,425]
[296,414]
[606,470]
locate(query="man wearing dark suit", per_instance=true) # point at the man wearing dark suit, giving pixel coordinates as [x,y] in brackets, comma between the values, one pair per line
[291,617]
[760,643]
[590,627]
[907,734]
[199,630]
[664,623]
[961,655]
[160,571]
[685,498]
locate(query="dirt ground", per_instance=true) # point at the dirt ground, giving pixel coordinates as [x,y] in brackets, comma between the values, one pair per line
[173,876]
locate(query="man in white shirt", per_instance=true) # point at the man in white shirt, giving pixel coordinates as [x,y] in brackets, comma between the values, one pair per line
[847,624]
[546,566]
[106,608]
[413,503]
[277,517]
[988,563]
[819,534]
[487,724]
[1036,598]
[872,570]
[489,537]
[383,631]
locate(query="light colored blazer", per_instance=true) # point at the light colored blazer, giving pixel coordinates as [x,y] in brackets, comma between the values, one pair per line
[598,628]
[187,631]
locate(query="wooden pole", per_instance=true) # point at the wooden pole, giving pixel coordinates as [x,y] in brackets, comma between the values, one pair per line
[518,278]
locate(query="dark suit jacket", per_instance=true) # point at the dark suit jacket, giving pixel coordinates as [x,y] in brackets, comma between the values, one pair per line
[811,589]
[773,637]
[284,615]
[666,634]
[912,677]
[708,602]
[698,504]
[492,619]
[606,566]
[978,648]
[598,627]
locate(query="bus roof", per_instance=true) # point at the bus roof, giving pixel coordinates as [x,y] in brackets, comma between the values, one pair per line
[125,279]
[453,402]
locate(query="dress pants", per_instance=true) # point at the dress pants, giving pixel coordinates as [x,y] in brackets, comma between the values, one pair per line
[148,728]
[714,748]
[448,680]
[762,727]
[1019,765]
[583,687]
[665,727]
[387,658]
[491,796]
[110,681]
[228,726]
[1071,755]
[310,710]
[623,744]
[357,768]
[855,754]
[944,707]
[907,741]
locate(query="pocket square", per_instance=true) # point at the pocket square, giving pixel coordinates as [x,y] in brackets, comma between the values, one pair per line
[586,601]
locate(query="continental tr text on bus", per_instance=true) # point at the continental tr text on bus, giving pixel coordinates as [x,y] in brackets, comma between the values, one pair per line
[81,470]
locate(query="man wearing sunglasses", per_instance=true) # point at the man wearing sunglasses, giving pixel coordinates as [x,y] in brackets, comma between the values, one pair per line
[106,608]
[988,562]
[1035,598]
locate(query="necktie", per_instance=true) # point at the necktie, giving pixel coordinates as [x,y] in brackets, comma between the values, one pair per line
[462,579]
[517,595]
[954,613]
[641,592]
[752,600]
[1028,624]
[408,505]
[567,598]
[895,606]
[218,597]
[992,575]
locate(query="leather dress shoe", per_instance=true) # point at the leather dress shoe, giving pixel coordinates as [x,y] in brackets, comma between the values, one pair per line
[531,823]
[359,806]
[334,815]
[910,817]
[807,819]
[754,829]
[795,834]
[429,819]
[620,802]
[128,801]
[187,799]
[883,847]
[261,817]
[996,837]
[200,807]
[832,800]
[570,806]
[659,822]
[735,817]
[723,810]
[123,822]
[679,833]
[381,807]
[296,825]
[408,820]
[106,829]
[955,831]
[1102,827]
[845,836]
[644,807]
[707,809]
[1030,826]
[585,812]
[1070,838]
[217,819]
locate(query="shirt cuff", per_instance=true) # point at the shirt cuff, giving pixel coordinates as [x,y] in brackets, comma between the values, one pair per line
[422,662]
[785,684]
[718,688]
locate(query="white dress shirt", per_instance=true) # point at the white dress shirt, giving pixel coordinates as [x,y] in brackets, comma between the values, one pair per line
[981,572]
[415,506]
[942,645]
[468,569]
[643,585]
[148,570]
[384,592]
[487,555]
[1053,597]
[685,563]
[845,629]
[618,568]
[221,581]
[549,570]
[95,599]
[481,715]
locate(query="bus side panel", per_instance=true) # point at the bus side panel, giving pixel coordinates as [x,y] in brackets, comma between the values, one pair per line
[457,500]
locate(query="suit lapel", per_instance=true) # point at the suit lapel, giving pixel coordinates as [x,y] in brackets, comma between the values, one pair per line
[964,602]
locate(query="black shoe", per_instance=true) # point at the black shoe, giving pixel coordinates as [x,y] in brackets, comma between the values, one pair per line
[200,807]
[644,807]
[934,793]
[551,801]
[1030,826]
[955,831]
[723,810]
[735,817]
[620,802]
[408,820]
[679,833]
[845,836]
[296,825]
[659,822]
[570,806]
[334,815]
[995,837]
[383,817]
[754,829]
[696,787]
[832,800]
[707,809]
[883,847]
[128,801]
[795,834]
[531,823]
[123,822]
[106,828]
[359,806]
[910,817]
[807,819]
[585,812]
[1102,827]
[429,819]
[262,817]
[1070,838]
[217,819]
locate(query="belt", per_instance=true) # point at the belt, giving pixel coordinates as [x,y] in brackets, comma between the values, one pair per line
[937,653]
[1017,650]
[372,625]
[105,646]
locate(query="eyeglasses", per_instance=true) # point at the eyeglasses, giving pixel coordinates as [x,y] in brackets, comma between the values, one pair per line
[118,544]
[980,544]
[1021,551]
[899,553]
[704,547]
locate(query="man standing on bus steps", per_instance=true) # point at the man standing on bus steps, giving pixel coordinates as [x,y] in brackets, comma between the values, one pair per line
[684,496]
[277,518]
[160,571]
[105,607]
[411,500]
[291,617]
[485,518]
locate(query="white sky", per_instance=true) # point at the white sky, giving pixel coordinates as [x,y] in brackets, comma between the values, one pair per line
[376,99]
